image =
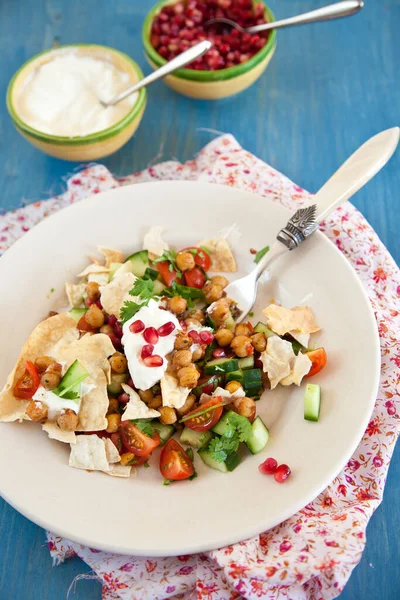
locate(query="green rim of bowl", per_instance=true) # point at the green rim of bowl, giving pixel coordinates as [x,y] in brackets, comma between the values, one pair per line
[205,76]
[98,136]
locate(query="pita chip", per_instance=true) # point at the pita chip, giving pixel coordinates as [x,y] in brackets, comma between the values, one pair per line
[221,255]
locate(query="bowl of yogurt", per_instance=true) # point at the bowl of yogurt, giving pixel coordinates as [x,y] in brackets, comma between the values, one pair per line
[54,101]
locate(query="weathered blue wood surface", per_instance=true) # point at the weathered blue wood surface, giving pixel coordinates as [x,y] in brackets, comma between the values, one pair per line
[329,88]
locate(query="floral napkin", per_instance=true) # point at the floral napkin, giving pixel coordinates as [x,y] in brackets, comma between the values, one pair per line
[311,555]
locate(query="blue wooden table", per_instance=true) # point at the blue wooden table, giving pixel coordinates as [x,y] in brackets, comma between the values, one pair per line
[329,88]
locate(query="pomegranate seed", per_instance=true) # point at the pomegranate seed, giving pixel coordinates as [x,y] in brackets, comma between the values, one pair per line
[123,398]
[206,337]
[258,363]
[208,389]
[153,361]
[118,329]
[166,329]
[147,351]
[282,473]
[136,326]
[112,319]
[150,335]
[183,325]
[268,467]
[195,337]
[219,353]
[130,382]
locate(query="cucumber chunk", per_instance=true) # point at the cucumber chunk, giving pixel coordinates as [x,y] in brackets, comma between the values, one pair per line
[235,376]
[77,313]
[312,402]
[261,328]
[164,431]
[113,269]
[150,274]
[159,287]
[222,424]
[195,439]
[221,365]
[252,382]
[259,436]
[69,386]
[229,465]
[232,461]
[140,262]
[246,363]
[114,387]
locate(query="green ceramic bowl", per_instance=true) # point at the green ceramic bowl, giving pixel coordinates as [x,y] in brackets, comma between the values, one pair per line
[80,148]
[210,85]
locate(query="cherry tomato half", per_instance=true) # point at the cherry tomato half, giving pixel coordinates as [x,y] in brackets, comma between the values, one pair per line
[195,278]
[174,462]
[27,385]
[168,273]
[201,257]
[137,442]
[208,418]
[318,358]
[138,461]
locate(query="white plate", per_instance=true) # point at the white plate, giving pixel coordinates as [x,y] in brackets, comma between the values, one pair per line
[139,515]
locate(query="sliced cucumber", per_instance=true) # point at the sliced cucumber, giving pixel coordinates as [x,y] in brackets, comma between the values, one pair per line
[222,425]
[113,269]
[77,313]
[195,439]
[259,436]
[114,387]
[164,431]
[252,382]
[229,465]
[232,461]
[235,376]
[221,365]
[312,402]
[261,328]
[207,386]
[247,362]
[229,324]
[150,274]
[159,287]
[140,262]
[69,386]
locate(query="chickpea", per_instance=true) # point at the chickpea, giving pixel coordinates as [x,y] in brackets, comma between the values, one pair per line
[177,305]
[182,341]
[198,353]
[128,458]
[107,329]
[246,407]
[259,341]
[182,358]
[68,420]
[241,345]
[156,402]
[113,422]
[93,291]
[113,406]
[43,362]
[191,321]
[118,362]
[212,292]
[220,280]
[220,312]
[167,415]
[233,386]
[199,315]
[243,329]
[190,402]
[37,411]
[94,316]
[51,313]
[188,376]
[51,377]
[224,336]
[185,261]
[146,395]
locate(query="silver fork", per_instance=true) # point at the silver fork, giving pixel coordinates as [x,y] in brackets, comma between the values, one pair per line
[348,179]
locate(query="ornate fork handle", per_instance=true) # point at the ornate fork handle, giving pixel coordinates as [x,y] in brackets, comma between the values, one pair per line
[299,227]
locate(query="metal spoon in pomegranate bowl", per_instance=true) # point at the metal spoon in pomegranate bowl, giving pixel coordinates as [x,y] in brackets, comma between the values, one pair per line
[346,8]
[348,179]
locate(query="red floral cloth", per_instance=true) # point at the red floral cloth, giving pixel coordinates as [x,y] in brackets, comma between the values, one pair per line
[311,555]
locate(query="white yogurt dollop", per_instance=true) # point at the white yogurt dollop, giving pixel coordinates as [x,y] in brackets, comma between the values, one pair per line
[55,404]
[152,315]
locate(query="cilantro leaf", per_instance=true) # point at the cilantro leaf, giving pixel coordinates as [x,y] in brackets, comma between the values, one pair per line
[146,465]
[143,288]
[190,294]
[260,254]
[129,310]
[221,447]
[145,426]
[71,395]
[241,425]
[168,481]
[169,255]
[189,452]
[193,476]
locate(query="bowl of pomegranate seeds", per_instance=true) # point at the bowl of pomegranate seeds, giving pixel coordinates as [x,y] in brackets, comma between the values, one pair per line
[236,59]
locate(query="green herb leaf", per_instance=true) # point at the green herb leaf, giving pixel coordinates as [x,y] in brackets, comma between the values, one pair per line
[200,412]
[241,427]
[193,476]
[143,288]
[189,452]
[129,310]
[71,395]
[260,254]
[167,255]
[221,447]
[146,465]
[145,426]
[168,481]
[189,293]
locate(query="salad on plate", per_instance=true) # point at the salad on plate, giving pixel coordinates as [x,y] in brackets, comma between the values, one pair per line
[148,355]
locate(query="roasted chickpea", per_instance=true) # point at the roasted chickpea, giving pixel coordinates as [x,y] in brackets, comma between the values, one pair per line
[185,261]
[155,402]
[233,386]
[107,329]
[224,336]
[242,346]
[146,395]
[68,420]
[177,305]
[94,317]
[198,353]
[259,342]
[51,313]
[118,363]
[37,411]
[190,402]
[212,292]
[93,291]
[220,311]
[113,406]
[199,315]
[192,321]
[113,422]
[51,378]
[246,407]
[219,280]
[188,376]
[128,458]
[182,358]
[243,329]
[167,415]
[182,341]
[43,362]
